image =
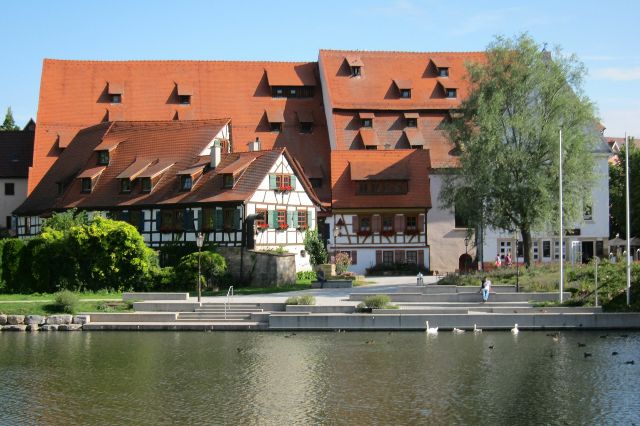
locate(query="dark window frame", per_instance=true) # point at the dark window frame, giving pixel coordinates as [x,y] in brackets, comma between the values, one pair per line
[275,127]
[316,182]
[184,99]
[126,186]
[443,72]
[186,183]
[146,184]
[356,71]
[9,188]
[84,188]
[411,257]
[116,98]
[103,158]
[387,257]
[451,93]
[412,122]
[306,127]
[405,93]
[227,180]
[367,123]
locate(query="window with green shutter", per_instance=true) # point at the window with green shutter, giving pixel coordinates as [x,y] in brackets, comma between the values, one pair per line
[272,181]
[292,219]
[219,219]
[272,219]
[293,182]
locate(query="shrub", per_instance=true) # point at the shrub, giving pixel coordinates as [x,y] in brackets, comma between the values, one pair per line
[343,261]
[377,301]
[11,256]
[306,275]
[293,300]
[66,220]
[315,247]
[162,279]
[66,301]
[212,268]
[306,299]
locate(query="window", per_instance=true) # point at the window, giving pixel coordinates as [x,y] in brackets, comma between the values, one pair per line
[387,257]
[405,93]
[520,249]
[185,183]
[9,188]
[264,222]
[546,249]
[412,122]
[277,92]
[283,180]
[316,182]
[587,214]
[86,185]
[302,219]
[451,93]
[535,251]
[367,122]
[8,222]
[372,147]
[411,224]
[184,99]
[116,98]
[387,224]
[61,188]
[365,223]
[556,254]
[356,71]
[27,225]
[282,219]
[382,187]
[460,220]
[228,216]
[103,158]
[276,127]
[412,257]
[125,185]
[505,248]
[146,184]
[291,91]
[443,72]
[227,180]
[306,127]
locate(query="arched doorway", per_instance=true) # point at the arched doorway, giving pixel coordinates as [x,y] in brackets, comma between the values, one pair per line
[465,262]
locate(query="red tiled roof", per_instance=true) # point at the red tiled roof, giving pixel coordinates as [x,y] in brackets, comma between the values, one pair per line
[156,169]
[192,170]
[369,137]
[354,61]
[237,166]
[403,84]
[16,151]
[108,144]
[368,115]
[374,169]
[184,89]
[415,163]
[116,88]
[441,62]
[305,116]
[411,115]
[275,115]
[138,166]
[447,84]
[65,136]
[296,75]
[92,172]
[72,96]
[414,136]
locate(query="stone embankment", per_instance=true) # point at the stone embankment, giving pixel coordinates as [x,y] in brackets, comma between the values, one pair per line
[62,322]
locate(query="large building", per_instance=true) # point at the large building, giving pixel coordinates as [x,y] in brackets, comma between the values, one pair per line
[363,130]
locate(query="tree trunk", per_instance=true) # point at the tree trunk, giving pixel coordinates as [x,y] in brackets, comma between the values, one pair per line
[526,245]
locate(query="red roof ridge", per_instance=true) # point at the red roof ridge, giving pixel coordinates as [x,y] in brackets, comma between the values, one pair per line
[184,61]
[408,52]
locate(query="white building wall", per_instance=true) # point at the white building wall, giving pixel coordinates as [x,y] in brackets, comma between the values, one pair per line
[8,203]
[328,111]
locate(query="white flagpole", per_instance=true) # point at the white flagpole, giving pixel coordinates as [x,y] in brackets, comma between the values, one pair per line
[628,260]
[561,228]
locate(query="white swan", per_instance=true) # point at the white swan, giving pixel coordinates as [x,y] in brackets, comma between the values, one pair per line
[476,330]
[432,330]
[458,331]
[515,330]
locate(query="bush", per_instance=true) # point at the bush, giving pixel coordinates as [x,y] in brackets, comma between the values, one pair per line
[343,261]
[212,268]
[11,272]
[377,301]
[396,269]
[306,275]
[66,301]
[307,299]
[315,247]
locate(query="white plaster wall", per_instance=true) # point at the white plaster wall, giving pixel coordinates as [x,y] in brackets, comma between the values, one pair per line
[446,242]
[328,109]
[8,203]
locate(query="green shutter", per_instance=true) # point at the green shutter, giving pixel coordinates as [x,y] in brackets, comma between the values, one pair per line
[272,181]
[273,219]
[309,219]
[219,221]
[236,219]
[293,182]
[290,220]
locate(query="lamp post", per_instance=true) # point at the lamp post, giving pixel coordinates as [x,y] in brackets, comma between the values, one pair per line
[199,242]
[466,254]
[517,264]
[561,227]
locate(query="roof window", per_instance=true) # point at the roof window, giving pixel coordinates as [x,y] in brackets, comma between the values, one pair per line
[451,93]
[115,91]
[103,158]
[404,86]
[411,119]
[275,118]
[355,65]
[306,121]
[443,72]
[186,182]
[366,119]
[185,91]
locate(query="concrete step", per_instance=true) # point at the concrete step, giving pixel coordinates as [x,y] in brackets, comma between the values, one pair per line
[452,289]
[464,297]
[204,316]
[468,305]
[214,310]
[235,305]
[179,326]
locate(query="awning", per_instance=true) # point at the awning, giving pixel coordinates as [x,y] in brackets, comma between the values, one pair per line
[156,169]
[404,84]
[354,61]
[64,137]
[91,173]
[378,170]
[441,62]
[237,166]
[184,89]
[109,144]
[369,137]
[138,166]
[366,115]
[305,116]
[414,136]
[192,170]
[411,115]
[296,76]
[447,84]
[116,88]
[275,115]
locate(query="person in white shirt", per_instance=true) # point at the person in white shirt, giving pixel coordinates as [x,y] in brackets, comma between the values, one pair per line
[486,288]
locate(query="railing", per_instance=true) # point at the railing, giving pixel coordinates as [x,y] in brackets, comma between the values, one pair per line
[229,298]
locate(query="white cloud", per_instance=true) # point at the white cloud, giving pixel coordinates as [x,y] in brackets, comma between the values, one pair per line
[617,74]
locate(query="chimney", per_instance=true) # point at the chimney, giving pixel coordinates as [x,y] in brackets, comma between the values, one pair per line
[216,153]
[255,146]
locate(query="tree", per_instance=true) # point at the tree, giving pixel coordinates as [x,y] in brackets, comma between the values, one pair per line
[9,123]
[213,268]
[617,196]
[313,245]
[506,133]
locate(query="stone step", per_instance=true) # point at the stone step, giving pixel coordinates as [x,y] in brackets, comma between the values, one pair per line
[235,305]
[452,289]
[214,310]
[179,326]
[464,297]
[201,316]
[469,305]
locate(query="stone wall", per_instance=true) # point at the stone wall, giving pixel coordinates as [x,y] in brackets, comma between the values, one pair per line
[259,268]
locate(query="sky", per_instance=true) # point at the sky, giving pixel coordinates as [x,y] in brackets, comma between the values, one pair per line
[603,35]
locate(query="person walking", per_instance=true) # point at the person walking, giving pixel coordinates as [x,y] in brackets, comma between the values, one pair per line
[498,261]
[486,288]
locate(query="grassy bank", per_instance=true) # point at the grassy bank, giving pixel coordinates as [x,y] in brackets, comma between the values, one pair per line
[48,308]
[47,297]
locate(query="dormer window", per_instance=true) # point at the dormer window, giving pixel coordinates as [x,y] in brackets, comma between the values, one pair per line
[276,127]
[306,127]
[185,99]
[275,118]
[186,182]
[367,122]
[306,121]
[227,180]
[443,72]
[366,119]
[86,185]
[404,86]
[411,119]
[146,184]
[116,98]
[185,91]
[125,186]
[115,91]
[88,178]
[355,65]
[451,93]
[405,93]
[103,158]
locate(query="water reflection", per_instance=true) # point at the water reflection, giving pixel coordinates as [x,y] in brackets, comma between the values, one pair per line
[334,378]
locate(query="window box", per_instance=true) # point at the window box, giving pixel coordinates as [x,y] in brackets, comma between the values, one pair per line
[284,188]
[283,226]
[411,232]
[261,227]
[364,233]
[388,233]
[302,227]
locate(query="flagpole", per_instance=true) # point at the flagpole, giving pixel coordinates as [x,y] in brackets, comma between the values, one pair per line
[561,228]
[626,174]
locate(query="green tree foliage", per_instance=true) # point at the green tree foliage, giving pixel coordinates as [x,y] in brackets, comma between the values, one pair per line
[617,197]
[313,245]
[64,221]
[506,133]
[9,123]
[213,268]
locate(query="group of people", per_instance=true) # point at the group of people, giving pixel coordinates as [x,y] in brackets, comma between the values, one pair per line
[507,260]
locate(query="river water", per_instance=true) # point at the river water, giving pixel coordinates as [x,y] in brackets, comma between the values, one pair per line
[356,378]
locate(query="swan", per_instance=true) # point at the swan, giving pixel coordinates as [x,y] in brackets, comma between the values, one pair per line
[458,331]
[432,330]
[515,330]
[476,330]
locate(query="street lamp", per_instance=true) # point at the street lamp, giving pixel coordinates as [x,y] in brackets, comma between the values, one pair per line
[199,242]
[517,264]
[466,254]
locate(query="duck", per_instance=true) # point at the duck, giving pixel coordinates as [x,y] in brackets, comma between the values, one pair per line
[587,354]
[431,330]
[614,353]
[476,330]
[457,331]
[515,330]
[581,345]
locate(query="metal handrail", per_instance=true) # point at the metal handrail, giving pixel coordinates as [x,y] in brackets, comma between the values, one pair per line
[226,303]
